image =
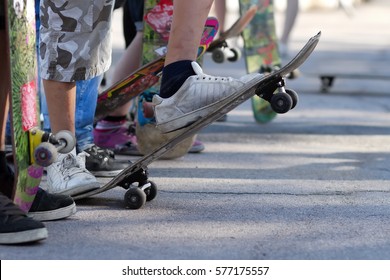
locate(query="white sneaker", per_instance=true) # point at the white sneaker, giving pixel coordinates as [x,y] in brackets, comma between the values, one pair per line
[198,96]
[69,176]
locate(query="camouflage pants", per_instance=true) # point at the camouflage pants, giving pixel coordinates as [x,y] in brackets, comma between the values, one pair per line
[75,39]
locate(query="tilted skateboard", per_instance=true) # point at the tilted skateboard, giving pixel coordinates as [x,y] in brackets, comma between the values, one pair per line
[261,51]
[220,51]
[144,78]
[270,87]
[32,147]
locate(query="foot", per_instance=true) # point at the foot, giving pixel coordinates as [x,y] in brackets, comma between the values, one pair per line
[116,136]
[102,163]
[16,227]
[196,147]
[196,98]
[69,176]
[49,207]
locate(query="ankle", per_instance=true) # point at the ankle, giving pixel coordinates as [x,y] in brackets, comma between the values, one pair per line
[173,77]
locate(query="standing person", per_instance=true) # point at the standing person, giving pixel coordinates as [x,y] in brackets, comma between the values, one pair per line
[99,161]
[78,48]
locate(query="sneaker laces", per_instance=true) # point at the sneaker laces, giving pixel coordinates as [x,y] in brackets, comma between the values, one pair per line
[212,78]
[69,166]
[97,151]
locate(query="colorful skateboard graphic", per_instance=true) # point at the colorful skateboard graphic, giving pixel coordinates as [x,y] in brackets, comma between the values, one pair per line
[27,138]
[261,50]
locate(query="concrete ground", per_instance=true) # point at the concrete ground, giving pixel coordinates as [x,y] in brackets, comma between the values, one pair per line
[312,184]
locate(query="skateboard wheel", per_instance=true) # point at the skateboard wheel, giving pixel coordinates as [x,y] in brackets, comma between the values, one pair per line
[218,56]
[151,192]
[236,54]
[281,102]
[135,198]
[66,138]
[45,154]
[294,96]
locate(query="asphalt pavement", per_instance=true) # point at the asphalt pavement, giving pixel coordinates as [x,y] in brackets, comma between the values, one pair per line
[312,184]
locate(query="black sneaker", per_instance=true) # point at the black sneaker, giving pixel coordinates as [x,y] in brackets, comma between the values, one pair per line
[102,163]
[48,207]
[16,227]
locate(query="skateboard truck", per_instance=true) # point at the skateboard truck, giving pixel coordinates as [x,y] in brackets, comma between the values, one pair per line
[45,146]
[281,99]
[136,196]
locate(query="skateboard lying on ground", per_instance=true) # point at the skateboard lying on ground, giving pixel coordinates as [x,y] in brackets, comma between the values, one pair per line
[220,51]
[145,77]
[32,147]
[261,50]
[327,78]
[270,87]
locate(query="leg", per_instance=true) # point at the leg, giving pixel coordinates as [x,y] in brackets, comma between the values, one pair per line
[115,132]
[61,102]
[220,10]
[187,26]
[289,21]
[187,94]
[69,53]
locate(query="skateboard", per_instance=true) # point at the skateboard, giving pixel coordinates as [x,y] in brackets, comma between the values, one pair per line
[32,148]
[270,87]
[327,79]
[261,50]
[220,51]
[145,77]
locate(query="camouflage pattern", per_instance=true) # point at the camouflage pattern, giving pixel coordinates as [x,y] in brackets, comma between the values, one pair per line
[75,39]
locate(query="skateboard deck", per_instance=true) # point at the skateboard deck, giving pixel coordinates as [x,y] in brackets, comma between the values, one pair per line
[20,25]
[261,50]
[157,22]
[265,87]
[145,77]
[30,145]
[219,48]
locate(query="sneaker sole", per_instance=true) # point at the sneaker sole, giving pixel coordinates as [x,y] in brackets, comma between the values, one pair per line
[105,173]
[80,189]
[24,236]
[56,214]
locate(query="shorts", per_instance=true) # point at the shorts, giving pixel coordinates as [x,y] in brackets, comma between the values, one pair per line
[75,39]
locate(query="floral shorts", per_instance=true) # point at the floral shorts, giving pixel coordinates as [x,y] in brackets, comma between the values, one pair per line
[75,39]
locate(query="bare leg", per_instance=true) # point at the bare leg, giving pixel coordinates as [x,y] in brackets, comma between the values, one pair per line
[187,25]
[61,100]
[129,62]
[220,11]
[291,14]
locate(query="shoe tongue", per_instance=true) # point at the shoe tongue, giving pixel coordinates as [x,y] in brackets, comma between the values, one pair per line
[197,69]
[69,161]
